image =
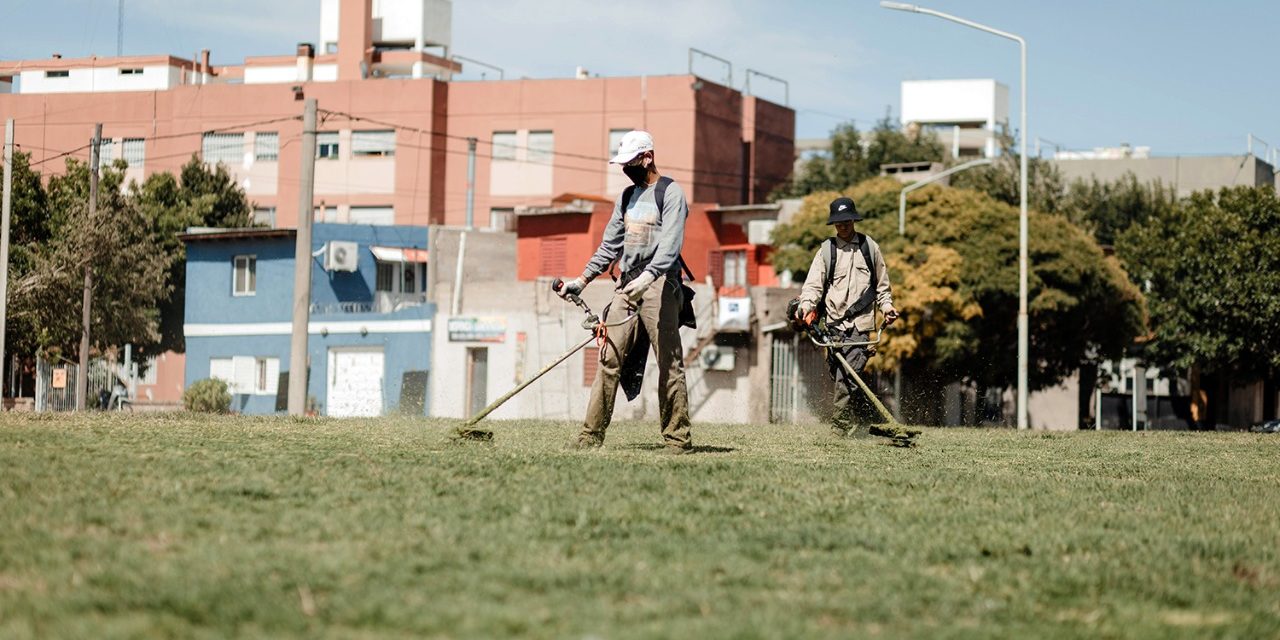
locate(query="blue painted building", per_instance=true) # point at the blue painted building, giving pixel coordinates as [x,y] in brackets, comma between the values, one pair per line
[369,334]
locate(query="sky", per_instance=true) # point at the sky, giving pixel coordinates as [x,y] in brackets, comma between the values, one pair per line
[1179,76]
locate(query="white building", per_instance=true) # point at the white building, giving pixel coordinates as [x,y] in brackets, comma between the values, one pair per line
[966,114]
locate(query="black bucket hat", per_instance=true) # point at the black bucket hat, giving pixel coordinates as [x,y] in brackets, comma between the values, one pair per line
[843,210]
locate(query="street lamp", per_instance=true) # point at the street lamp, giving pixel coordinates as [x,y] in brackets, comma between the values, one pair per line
[1022,195]
[902,196]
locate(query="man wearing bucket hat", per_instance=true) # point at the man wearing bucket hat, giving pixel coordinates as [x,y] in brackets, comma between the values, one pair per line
[846,283]
[644,235]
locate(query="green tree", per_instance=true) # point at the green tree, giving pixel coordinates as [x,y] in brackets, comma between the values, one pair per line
[202,196]
[117,244]
[1002,180]
[1211,266]
[854,157]
[1107,209]
[29,229]
[955,278]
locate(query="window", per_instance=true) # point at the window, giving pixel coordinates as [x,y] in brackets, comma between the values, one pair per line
[227,148]
[373,143]
[401,277]
[327,145]
[135,151]
[247,374]
[106,152]
[502,219]
[266,146]
[265,216]
[735,268]
[132,71]
[245,275]
[372,215]
[615,140]
[61,73]
[504,145]
[266,375]
[541,147]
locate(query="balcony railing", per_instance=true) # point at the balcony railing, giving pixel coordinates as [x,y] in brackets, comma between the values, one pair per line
[383,302]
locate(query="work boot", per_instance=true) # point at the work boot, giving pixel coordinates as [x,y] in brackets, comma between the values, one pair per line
[676,451]
[588,441]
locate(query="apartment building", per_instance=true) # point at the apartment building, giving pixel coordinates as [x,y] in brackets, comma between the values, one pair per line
[396,131]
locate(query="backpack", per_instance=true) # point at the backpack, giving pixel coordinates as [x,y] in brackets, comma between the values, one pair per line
[859,305]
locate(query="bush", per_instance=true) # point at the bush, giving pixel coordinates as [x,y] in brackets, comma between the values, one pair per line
[207,396]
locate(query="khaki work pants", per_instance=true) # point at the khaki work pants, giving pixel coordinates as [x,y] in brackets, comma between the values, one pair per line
[659,314]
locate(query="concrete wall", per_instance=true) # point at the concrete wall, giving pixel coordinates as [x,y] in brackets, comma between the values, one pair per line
[1185,174]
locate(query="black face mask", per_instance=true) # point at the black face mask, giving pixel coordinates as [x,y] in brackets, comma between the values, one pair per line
[638,174]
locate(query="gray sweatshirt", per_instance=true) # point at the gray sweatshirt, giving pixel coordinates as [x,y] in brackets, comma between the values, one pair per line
[649,237]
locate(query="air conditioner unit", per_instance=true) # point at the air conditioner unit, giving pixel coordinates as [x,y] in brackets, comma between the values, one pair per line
[735,314]
[761,231]
[341,256]
[717,358]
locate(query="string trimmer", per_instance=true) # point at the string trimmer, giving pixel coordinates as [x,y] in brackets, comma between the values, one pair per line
[591,323]
[900,435]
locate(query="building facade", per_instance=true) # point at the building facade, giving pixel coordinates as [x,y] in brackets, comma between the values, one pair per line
[369,333]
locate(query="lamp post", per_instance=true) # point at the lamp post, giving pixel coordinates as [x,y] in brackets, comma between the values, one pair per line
[902,196]
[1022,194]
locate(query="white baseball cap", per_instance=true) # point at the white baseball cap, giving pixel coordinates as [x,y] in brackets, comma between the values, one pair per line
[633,144]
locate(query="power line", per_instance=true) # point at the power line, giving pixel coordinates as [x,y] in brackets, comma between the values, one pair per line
[565,154]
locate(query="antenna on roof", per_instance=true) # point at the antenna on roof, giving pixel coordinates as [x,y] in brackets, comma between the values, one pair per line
[120,28]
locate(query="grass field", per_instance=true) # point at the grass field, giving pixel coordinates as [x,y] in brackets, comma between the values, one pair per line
[180,526]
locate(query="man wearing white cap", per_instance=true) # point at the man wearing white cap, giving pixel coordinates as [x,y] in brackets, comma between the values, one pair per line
[644,235]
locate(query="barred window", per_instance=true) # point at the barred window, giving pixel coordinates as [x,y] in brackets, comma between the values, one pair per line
[266,146]
[135,151]
[227,148]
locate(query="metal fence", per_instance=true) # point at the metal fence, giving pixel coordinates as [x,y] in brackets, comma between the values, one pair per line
[56,384]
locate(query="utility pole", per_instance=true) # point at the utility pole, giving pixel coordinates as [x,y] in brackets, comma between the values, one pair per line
[5,203]
[82,377]
[302,265]
[456,305]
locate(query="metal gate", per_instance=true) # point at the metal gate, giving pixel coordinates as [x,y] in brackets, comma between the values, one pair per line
[799,384]
[56,384]
[783,379]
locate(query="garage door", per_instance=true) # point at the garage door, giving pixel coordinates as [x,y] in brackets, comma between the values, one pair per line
[355,382]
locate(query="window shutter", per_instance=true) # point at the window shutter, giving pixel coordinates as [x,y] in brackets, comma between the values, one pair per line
[753,268]
[244,368]
[373,143]
[551,253]
[222,369]
[715,264]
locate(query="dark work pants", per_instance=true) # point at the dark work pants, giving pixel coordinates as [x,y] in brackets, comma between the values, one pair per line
[850,405]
